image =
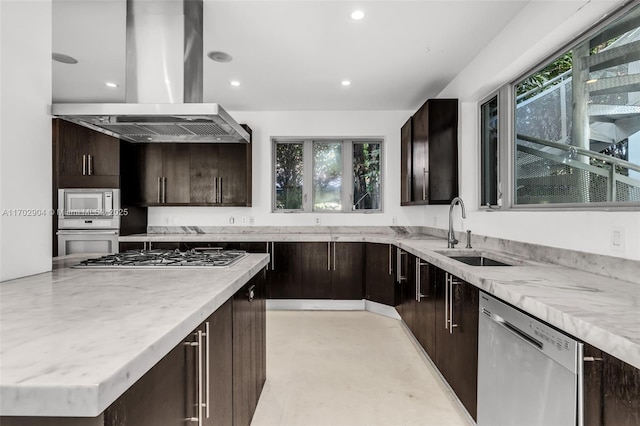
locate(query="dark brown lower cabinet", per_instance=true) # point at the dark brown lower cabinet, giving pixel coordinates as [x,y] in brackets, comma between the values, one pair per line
[284,271]
[611,390]
[347,271]
[380,277]
[456,348]
[249,353]
[315,270]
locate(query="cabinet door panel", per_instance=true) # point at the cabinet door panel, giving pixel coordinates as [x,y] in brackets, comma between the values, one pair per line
[176,163]
[152,171]
[420,155]
[406,169]
[443,359]
[243,388]
[158,397]
[408,290]
[285,273]
[425,309]
[443,151]
[221,366]
[204,172]
[347,271]
[315,271]
[233,173]
[105,154]
[380,284]
[465,345]
[621,392]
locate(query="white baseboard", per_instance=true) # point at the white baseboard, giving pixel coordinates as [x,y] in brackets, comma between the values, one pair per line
[331,305]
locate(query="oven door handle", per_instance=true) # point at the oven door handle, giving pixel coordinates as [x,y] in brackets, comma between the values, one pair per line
[87,231]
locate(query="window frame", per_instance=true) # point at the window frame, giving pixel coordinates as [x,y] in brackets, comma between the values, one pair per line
[346,190]
[507,136]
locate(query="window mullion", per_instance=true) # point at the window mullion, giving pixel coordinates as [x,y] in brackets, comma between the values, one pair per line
[307,181]
[347,176]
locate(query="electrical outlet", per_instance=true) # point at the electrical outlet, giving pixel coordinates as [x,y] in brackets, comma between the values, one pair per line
[394,220]
[317,220]
[232,220]
[165,220]
[244,220]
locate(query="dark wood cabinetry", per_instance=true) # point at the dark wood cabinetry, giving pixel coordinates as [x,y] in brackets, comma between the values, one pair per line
[380,279]
[249,355]
[456,336]
[347,271]
[611,390]
[83,158]
[284,272]
[429,154]
[189,174]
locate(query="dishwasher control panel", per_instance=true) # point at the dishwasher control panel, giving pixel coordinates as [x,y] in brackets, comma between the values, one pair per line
[555,344]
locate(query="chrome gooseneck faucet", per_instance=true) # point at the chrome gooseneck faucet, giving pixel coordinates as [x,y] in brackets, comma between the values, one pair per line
[451,239]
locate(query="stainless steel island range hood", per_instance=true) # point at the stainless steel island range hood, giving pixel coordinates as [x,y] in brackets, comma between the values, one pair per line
[164,87]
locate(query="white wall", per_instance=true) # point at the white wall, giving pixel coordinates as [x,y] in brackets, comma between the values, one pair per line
[25,137]
[537,32]
[265,125]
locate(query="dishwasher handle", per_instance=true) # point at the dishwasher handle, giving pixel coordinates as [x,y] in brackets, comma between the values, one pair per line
[513,329]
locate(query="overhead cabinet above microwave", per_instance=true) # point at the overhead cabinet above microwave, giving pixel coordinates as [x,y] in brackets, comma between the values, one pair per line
[85,158]
[429,154]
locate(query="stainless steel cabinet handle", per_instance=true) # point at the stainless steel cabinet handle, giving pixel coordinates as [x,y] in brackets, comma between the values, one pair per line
[390,267]
[424,183]
[215,190]
[334,255]
[90,158]
[251,293]
[417,280]
[220,190]
[200,387]
[207,365]
[84,165]
[446,301]
[399,266]
[159,178]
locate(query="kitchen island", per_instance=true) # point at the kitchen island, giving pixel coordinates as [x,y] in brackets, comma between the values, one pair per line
[73,341]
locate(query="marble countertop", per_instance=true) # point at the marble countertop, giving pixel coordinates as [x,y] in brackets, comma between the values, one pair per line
[601,311]
[73,340]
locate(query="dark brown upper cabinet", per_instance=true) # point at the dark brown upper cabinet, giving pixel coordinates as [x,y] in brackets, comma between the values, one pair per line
[83,158]
[429,154]
[189,174]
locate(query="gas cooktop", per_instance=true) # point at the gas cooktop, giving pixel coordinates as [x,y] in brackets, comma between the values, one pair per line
[163,259]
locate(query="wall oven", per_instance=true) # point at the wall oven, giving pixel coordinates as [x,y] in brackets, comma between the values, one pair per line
[88,220]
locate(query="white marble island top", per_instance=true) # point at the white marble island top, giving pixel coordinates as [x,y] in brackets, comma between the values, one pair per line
[73,340]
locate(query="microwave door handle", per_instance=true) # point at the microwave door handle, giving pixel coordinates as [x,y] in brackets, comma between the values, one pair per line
[87,232]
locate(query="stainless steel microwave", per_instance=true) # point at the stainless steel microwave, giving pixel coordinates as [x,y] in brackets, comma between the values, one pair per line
[89,208]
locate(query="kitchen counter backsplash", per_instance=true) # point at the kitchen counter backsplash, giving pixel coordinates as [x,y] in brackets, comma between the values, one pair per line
[608,266]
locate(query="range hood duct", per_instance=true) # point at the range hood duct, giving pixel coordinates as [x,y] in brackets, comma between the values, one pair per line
[164,87]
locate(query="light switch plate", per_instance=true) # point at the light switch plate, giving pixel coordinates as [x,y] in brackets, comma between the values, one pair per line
[618,238]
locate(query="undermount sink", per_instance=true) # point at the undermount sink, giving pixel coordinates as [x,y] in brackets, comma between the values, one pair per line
[478,261]
[479,257]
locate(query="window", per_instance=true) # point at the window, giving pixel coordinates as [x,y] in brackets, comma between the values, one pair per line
[489,181]
[343,175]
[577,123]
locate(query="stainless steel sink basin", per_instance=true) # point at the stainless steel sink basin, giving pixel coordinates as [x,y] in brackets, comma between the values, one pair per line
[478,261]
[475,257]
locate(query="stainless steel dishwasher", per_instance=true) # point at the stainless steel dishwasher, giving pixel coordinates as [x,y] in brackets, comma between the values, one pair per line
[528,373]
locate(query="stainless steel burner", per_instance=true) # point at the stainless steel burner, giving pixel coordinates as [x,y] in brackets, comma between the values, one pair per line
[197,258]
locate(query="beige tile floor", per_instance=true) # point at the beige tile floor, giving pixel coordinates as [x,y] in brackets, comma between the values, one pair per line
[348,368]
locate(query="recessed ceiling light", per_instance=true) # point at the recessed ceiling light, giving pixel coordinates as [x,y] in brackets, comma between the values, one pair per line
[234,83]
[219,56]
[111,84]
[357,15]
[62,58]
[346,83]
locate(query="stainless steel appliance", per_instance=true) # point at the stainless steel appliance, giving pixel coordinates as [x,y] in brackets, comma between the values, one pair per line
[528,372]
[88,220]
[166,259]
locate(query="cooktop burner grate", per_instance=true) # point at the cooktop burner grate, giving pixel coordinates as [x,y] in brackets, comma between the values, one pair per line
[196,258]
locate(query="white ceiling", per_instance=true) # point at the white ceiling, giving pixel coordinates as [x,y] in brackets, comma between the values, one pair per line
[293,54]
